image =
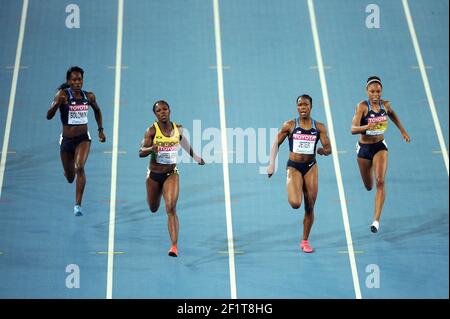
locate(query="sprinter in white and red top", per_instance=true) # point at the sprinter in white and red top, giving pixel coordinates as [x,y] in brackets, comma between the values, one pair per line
[73,104]
[302,172]
[370,121]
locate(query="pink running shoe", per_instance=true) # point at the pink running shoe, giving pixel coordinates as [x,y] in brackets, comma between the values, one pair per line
[173,251]
[304,245]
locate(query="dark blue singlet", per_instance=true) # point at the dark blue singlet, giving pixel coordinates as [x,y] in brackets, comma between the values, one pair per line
[379,117]
[303,138]
[303,141]
[76,110]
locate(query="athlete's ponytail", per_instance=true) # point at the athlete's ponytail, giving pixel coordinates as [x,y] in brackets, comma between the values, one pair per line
[63,86]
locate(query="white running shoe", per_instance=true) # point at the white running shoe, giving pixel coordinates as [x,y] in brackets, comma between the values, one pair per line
[374,227]
[77,210]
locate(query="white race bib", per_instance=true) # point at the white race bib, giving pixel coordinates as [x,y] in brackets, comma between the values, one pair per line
[304,143]
[167,154]
[78,114]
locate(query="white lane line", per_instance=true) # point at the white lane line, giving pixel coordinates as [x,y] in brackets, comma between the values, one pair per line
[225,67]
[12,94]
[316,67]
[115,148]
[122,67]
[426,83]
[417,67]
[337,168]
[223,126]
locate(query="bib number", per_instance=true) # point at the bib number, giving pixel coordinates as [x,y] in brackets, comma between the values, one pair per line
[167,155]
[381,125]
[304,143]
[78,114]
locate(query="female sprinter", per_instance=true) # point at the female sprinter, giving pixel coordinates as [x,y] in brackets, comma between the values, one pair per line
[162,140]
[302,172]
[370,121]
[75,141]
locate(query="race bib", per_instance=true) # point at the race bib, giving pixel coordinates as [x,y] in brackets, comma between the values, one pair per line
[167,154]
[78,114]
[304,143]
[381,125]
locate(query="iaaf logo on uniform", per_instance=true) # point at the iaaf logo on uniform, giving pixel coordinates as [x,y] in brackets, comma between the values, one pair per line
[249,146]
[377,119]
[78,107]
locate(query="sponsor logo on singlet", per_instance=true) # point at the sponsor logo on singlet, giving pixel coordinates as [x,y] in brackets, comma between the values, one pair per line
[78,114]
[377,119]
[304,143]
[381,126]
[167,154]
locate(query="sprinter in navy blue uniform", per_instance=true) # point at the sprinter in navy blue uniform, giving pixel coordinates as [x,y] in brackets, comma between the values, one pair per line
[302,172]
[73,104]
[370,121]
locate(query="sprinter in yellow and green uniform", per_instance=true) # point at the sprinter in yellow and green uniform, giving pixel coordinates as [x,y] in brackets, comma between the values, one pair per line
[162,140]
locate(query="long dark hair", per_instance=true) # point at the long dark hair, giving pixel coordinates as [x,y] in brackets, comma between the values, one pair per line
[66,85]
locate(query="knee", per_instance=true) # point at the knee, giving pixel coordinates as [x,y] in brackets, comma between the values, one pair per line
[309,212]
[368,186]
[153,208]
[295,204]
[380,181]
[171,208]
[309,205]
[70,177]
[79,169]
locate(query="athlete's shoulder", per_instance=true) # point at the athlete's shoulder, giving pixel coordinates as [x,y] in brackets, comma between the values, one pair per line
[362,107]
[90,95]
[386,105]
[320,126]
[288,125]
[362,104]
[151,130]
